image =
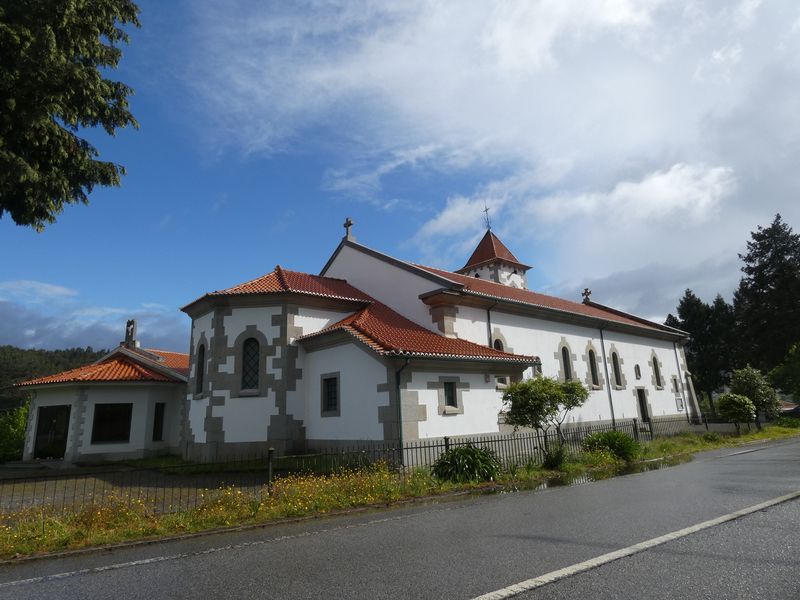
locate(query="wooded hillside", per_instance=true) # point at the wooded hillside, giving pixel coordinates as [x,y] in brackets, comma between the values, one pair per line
[17,364]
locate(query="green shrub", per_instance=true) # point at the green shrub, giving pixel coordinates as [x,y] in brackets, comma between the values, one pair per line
[711,436]
[554,457]
[618,443]
[790,422]
[736,409]
[467,463]
[12,433]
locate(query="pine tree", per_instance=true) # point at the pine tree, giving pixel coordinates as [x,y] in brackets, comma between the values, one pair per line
[767,302]
[708,350]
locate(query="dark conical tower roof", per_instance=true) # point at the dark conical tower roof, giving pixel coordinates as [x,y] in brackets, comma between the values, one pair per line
[491,249]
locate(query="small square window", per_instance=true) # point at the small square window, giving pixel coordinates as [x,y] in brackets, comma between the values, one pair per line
[112,423]
[450,398]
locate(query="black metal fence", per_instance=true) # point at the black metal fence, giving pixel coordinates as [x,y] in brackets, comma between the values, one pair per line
[169,485]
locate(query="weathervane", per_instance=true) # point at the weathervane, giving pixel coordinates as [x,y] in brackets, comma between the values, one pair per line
[486,219]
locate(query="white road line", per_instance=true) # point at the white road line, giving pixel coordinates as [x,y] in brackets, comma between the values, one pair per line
[592,563]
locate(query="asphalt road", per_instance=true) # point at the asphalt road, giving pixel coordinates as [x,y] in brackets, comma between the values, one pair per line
[465,548]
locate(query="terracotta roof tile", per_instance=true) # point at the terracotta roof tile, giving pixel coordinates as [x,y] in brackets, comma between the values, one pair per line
[177,361]
[283,280]
[490,248]
[116,368]
[491,289]
[388,332]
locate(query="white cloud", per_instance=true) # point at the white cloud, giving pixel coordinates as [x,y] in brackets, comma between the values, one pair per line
[692,192]
[27,290]
[35,314]
[604,136]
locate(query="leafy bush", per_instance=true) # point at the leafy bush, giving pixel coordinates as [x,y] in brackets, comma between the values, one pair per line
[754,385]
[736,409]
[467,463]
[790,422]
[12,433]
[554,457]
[711,436]
[618,443]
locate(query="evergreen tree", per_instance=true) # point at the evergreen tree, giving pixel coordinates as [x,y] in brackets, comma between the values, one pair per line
[767,302]
[54,55]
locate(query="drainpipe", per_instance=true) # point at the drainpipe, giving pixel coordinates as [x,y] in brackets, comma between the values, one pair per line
[400,408]
[608,380]
[680,383]
[489,324]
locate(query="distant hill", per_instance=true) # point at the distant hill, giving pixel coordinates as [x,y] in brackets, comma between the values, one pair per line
[18,364]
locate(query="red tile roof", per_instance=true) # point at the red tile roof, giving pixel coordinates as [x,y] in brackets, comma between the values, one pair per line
[489,249]
[115,368]
[177,361]
[282,280]
[491,289]
[390,333]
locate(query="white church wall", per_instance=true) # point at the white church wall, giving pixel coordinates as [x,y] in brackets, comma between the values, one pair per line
[396,287]
[507,275]
[196,417]
[139,397]
[360,374]
[480,405]
[311,320]
[633,351]
[538,337]
[241,317]
[470,324]
[245,418]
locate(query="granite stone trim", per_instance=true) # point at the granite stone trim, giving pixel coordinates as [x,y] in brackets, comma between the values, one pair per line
[612,350]
[81,427]
[330,413]
[560,359]
[587,358]
[444,317]
[460,386]
[203,341]
[264,352]
[658,383]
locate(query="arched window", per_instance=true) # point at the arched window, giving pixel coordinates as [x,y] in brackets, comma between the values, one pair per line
[566,364]
[200,369]
[657,372]
[615,365]
[637,371]
[498,345]
[250,360]
[593,368]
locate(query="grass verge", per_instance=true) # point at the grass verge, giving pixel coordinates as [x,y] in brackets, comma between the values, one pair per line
[121,519]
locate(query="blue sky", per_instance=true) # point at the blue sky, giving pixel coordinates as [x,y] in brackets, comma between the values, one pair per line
[626,146]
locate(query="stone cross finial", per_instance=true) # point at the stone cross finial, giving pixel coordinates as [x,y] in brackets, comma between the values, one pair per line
[348,224]
[486,220]
[587,294]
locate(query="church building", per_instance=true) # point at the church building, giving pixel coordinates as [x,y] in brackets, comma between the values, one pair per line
[374,348]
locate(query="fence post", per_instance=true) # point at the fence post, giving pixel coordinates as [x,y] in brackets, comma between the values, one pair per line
[270,454]
[705,421]
[636,429]
[650,426]
[446,444]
